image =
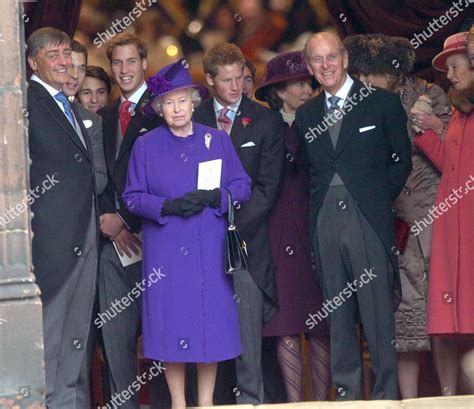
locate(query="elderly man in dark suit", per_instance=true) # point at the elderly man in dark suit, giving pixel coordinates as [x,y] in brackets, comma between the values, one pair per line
[65,224]
[257,136]
[358,149]
[123,121]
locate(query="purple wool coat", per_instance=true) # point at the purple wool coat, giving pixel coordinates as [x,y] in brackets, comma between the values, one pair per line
[189,314]
[298,290]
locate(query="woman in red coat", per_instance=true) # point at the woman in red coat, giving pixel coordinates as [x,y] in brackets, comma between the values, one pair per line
[286,85]
[450,296]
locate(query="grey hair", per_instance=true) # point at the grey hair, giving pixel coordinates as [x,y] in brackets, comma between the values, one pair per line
[42,37]
[320,35]
[193,93]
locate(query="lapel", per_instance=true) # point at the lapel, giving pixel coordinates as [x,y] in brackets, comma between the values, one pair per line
[352,118]
[205,114]
[134,126]
[238,133]
[110,125]
[317,114]
[58,115]
[85,133]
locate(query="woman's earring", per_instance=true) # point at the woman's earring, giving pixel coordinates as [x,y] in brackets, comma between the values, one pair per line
[192,109]
[161,114]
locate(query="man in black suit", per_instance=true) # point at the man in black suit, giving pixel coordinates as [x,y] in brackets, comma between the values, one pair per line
[256,133]
[65,224]
[123,121]
[356,141]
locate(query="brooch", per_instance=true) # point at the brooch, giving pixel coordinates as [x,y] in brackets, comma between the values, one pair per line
[207,140]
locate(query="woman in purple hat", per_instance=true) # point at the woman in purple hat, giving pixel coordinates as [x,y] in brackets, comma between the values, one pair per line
[178,178]
[450,299]
[286,85]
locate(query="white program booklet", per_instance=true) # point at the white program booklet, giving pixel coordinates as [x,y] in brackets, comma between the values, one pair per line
[125,260]
[209,174]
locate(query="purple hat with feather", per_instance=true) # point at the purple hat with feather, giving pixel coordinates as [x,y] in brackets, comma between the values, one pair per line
[171,78]
[284,67]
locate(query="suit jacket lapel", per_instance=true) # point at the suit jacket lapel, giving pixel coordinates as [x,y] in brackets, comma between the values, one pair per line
[85,133]
[238,133]
[50,104]
[133,127]
[110,128]
[318,115]
[206,115]
[351,118]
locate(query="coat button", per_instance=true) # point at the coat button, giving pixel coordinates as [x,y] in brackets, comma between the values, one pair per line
[452,167]
[335,165]
[455,142]
[77,251]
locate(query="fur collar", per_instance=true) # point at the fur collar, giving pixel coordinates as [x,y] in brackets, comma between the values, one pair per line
[463,101]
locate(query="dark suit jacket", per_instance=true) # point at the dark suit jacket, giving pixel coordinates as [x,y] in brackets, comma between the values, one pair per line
[61,213]
[117,165]
[263,162]
[373,165]
[93,123]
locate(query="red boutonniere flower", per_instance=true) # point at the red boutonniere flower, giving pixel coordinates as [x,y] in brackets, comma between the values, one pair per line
[246,121]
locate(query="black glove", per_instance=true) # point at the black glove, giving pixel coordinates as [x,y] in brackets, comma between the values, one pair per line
[205,198]
[180,207]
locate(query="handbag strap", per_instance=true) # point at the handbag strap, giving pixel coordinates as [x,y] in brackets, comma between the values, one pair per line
[230,212]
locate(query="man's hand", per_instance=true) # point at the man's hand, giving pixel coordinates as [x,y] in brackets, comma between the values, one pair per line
[111,224]
[127,242]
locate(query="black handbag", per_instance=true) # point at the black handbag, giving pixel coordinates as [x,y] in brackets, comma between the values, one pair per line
[235,247]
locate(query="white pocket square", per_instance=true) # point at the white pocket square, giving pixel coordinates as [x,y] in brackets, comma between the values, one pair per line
[143,130]
[366,128]
[247,145]
[87,123]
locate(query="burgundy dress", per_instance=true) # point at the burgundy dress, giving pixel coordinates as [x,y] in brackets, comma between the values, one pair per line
[298,291]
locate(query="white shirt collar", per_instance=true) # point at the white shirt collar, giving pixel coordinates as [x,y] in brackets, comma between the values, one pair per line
[52,91]
[135,97]
[343,91]
[234,107]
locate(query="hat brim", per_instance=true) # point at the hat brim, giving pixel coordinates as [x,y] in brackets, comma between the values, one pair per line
[260,90]
[203,93]
[439,61]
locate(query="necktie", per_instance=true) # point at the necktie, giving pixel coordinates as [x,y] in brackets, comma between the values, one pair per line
[225,122]
[334,103]
[67,107]
[124,116]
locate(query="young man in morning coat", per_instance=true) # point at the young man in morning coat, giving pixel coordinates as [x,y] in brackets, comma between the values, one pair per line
[257,136]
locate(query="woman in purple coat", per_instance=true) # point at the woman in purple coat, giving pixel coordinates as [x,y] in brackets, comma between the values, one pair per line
[178,178]
[286,85]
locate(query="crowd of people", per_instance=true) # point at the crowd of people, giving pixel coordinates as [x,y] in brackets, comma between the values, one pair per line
[350,180]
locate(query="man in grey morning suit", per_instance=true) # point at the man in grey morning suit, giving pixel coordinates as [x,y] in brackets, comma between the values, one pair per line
[356,142]
[65,224]
[93,123]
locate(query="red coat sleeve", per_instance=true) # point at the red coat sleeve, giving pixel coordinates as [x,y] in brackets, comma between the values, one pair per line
[432,145]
